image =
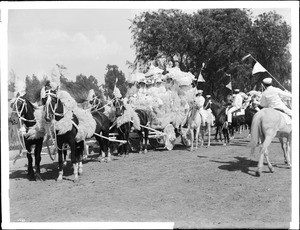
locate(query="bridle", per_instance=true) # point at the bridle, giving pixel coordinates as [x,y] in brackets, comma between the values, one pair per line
[19,112]
[48,104]
[21,118]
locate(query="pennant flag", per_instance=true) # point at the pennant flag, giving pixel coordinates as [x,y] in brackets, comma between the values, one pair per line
[246,57]
[200,78]
[258,68]
[229,86]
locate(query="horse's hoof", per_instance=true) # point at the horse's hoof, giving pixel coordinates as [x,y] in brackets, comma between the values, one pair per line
[80,171]
[59,179]
[145,151]
[108,159]
[258,173]
[272,170]
[76,180]
[38,177]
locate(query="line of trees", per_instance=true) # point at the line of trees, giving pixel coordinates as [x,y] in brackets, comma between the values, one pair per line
[219,38]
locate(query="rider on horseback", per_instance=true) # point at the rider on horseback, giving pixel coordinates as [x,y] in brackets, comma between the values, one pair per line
[271,97]
[199,103]
[236,105]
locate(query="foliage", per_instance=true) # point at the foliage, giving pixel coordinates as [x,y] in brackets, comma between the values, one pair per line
[114,77]
[217,37]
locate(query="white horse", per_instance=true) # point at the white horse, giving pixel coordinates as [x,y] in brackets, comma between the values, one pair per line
[194,124]
[267,124]
[208,119]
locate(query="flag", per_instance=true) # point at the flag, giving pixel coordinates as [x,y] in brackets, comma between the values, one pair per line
[248,55]
[258,68]
[229,86]
[200,78]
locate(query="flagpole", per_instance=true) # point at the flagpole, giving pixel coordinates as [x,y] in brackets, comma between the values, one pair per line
[268,73]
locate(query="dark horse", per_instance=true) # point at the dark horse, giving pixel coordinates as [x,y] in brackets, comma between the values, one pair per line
[23,112]
[55,110]
[219,111]
[125,129]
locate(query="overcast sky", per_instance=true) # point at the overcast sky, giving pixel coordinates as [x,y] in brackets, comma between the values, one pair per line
[83,40]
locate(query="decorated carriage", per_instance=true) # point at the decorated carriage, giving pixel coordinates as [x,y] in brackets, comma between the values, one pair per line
[168,104]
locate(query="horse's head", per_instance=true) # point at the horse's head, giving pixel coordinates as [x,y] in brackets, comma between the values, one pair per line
[95,103]
[21,109]
[51,105]
[119,106]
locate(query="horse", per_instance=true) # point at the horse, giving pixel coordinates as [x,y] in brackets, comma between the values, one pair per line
[267,124]
[142,119]
[194,124]
[103,125]
[24,112]
[55,109]
[218,110]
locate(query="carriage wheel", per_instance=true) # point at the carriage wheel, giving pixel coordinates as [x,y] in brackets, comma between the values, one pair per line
[134,142]
[154,143]
[186,142]
[54,152]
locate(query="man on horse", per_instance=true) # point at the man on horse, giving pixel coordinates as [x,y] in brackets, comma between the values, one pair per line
[271,97]
[236,105]
[199,103]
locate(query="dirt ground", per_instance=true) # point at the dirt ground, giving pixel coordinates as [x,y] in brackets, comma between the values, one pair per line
[206,188]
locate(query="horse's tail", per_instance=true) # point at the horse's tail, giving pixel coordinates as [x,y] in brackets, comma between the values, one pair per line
[256,132]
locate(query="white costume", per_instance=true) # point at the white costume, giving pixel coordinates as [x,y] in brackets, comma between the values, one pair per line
[236,105]
[271,97]
[199,103]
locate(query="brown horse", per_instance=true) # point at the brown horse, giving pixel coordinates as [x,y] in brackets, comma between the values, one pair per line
[267,124]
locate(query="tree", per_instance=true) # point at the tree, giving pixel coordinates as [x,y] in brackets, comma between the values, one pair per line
[217,37]
[269,43]
[115,77]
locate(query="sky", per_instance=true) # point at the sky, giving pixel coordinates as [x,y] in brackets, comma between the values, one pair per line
[83,40]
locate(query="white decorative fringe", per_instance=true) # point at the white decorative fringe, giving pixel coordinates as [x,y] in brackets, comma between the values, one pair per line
[86,123]
[129,115]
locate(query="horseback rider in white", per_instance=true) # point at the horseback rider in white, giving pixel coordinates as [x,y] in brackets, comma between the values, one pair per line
[236,105]
[199,103]
[271,97]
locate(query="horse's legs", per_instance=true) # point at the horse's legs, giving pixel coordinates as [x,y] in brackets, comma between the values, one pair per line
[79,156]
[146,133]
[74,159]
[264,152]
[30,172]
[60,162]
[141,140]
[209,130]
[197,136]
[37,156]
[192,138]
[286,150]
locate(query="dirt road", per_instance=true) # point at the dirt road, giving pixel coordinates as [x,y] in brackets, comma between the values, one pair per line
[207,188]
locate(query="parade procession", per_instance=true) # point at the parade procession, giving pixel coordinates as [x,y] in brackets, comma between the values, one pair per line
[197,134]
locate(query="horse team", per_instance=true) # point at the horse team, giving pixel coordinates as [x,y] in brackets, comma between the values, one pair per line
[265,125]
